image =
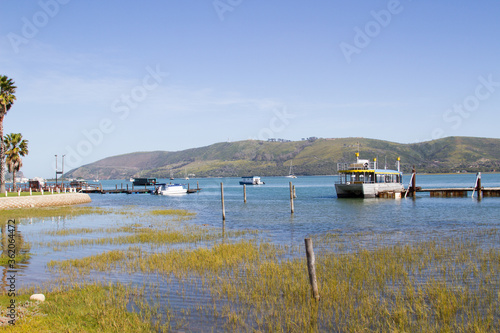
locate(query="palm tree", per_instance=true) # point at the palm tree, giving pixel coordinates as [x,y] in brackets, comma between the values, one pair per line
[15,147]
[7,98]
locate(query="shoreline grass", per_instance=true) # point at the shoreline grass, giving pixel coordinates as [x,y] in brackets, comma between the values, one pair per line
[88,308]
[367,281]
[429,286]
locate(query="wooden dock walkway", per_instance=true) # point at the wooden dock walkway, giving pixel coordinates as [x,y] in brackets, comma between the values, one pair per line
[453,192]
[129,190]
[460,191]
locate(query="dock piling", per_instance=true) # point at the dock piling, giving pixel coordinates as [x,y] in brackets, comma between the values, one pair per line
[244,193]
[292,209]
[477,186]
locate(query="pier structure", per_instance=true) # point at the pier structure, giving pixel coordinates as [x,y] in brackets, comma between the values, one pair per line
[453,192]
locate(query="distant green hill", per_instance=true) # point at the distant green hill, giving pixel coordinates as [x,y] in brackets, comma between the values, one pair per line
[310,157]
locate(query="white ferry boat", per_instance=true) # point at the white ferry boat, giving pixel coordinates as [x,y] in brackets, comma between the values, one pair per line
[252,180]
[363,180]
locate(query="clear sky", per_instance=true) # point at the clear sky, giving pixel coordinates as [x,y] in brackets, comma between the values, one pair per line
[101,78]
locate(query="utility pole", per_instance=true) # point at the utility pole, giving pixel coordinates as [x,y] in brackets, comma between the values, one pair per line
[56,169]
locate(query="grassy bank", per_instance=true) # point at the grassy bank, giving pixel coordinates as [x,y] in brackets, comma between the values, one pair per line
[26,194]
[88,308]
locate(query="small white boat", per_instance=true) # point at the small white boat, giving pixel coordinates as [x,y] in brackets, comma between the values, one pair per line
[290,174]
[252,180]
[131,180]
[170,189]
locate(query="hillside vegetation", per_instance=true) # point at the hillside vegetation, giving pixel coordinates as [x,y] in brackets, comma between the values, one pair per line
[309,157]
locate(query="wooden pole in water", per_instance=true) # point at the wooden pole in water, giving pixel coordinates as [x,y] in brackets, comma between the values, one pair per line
[222,200]
[197,185]
[244,193]
[478,187]
[291,199]
[413,182]
[311,267]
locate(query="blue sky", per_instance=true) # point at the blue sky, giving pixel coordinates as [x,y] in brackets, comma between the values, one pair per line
[101,78]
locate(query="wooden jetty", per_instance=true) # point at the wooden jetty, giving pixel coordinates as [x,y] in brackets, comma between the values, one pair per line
[453,192]
[460,192]
[128,189]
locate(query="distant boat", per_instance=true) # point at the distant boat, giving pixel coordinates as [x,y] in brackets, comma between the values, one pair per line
[252,180]
[290,174]
[97,179]
[171,175]
[185,175]
[144,181]
[131,180]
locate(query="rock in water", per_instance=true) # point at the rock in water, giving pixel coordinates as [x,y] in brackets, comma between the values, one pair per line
[38,297]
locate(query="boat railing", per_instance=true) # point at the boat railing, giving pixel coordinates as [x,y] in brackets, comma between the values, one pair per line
[356,166]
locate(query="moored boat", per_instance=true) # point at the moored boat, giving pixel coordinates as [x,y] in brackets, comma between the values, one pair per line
[252,180]
[290,174]
[170,189]
[363,179]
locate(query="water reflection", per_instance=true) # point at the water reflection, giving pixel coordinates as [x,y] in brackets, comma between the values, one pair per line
[14,255]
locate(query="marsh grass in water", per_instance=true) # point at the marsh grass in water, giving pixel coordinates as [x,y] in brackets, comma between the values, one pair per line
[367,281]
[446,285]
[66,211]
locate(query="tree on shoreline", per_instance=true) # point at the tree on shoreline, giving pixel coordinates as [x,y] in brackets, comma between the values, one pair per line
[15,147]
[7,98]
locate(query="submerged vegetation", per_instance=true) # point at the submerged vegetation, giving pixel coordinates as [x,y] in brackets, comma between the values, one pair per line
[229,281]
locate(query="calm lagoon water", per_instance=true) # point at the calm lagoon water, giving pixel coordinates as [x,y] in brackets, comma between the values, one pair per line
[317,212]
[317,209]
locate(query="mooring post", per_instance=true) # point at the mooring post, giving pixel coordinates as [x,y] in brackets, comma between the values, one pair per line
[478,186]
[197,185]
[188,187]
[121,185]
[244,193]
[127,188]
[311,267]
[222,200]
[116,186]
[291,198]
[413,182]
